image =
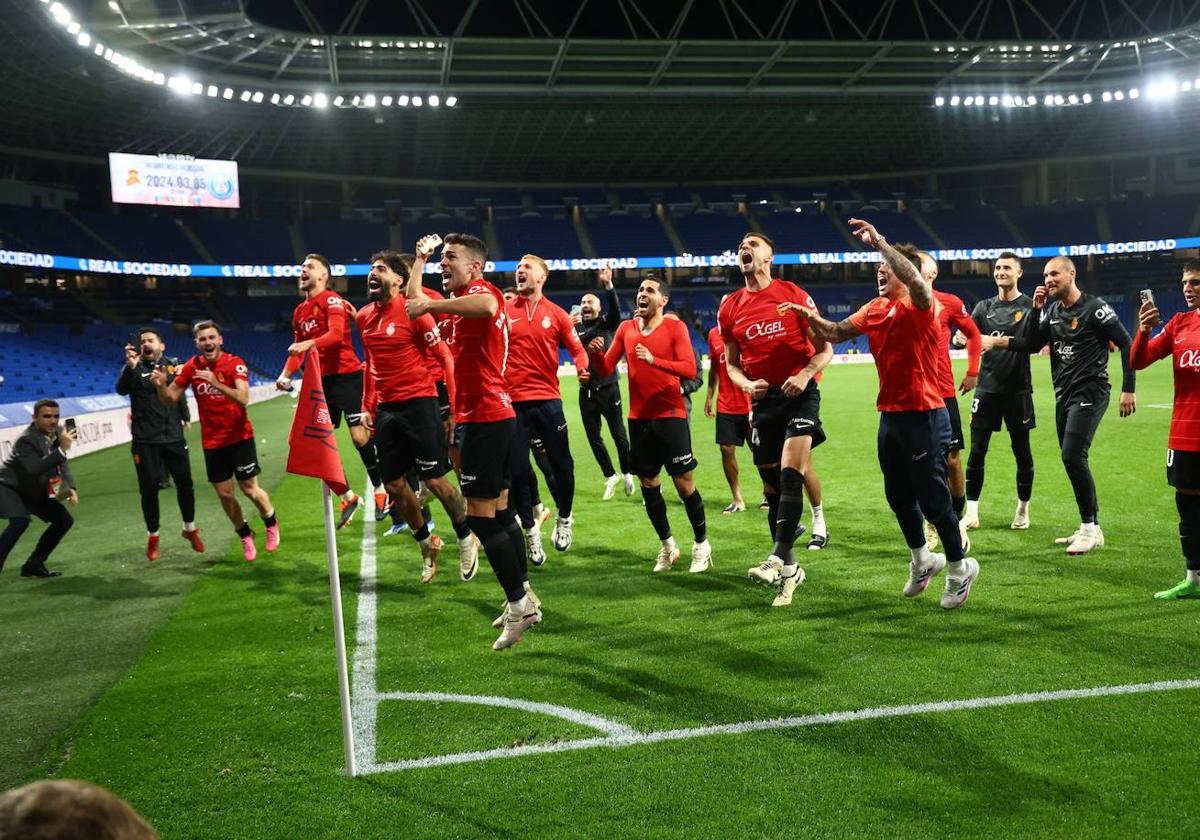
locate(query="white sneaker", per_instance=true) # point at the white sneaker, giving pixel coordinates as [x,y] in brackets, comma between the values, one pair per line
[429,553]
[517,619]
[787,585]
[562,532]
[767,572]
[920,576]
[1020,519]
[630,484]
[667,555]
[1087,538]
[533,544]
[931,535]
[610,486]
[541,513]
[701,557]
[1068,540]
[970,521]
[537,606]
[958,587]
[468,556]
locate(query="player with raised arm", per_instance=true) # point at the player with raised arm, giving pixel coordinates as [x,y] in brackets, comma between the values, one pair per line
[478,338]
[953,316]
[600,397]
[537,328]
[1078,327]
[659,355]
[221,384]
[400,402]
[1179,339]
[1005,389]
[904,337]
[774,358]
[322,320]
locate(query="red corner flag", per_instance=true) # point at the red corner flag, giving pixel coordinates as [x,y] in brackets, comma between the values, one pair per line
[312,447]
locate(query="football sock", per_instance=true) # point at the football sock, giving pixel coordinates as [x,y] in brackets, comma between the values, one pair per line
[656,509]
[694,506]
[243,530]
[789,510]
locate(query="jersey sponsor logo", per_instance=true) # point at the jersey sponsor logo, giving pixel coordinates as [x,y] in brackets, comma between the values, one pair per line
[765,329]
[1065,349]
[206,389]
[1189,359]
[334,300]
[1102,314]
[241,369]
[308,325]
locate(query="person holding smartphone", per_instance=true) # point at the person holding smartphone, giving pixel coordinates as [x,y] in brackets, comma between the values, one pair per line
[34,481]
[1179,339]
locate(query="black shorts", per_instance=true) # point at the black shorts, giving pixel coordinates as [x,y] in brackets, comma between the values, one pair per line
[732,429]
[663,442]
[410,435]
[776,417]
[238,461]
[443,399]
[486,453]
[343,395]
[956,435]
[1183,469]
[1015,410]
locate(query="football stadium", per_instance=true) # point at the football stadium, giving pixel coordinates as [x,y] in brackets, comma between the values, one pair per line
[599,418]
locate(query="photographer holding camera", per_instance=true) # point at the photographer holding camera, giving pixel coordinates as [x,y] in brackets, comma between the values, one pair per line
[33,481]
[159,446]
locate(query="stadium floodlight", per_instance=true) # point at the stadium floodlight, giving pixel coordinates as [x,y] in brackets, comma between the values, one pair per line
[451,101]
[954,100]
[416,100]
[939,101]
[338,100]
[1119,95]
[257,97]
[212,90]
[245,97]
[413,44]
[434,100]
[289,99]
[112,5]
[320,100]
[1049,100]
[197,88]
[970,100]
[1059,100]
[402,100]
[1007,101]
[73,27]
[356,101]
[84,39]
[227,93]
[386,102]
[60,13]
[369,100]
[274,98]
[993,100]
[306,100]
[799,210]
[1106,96]
[1073,99]
[159,78]
[1087,99]
[1134,93]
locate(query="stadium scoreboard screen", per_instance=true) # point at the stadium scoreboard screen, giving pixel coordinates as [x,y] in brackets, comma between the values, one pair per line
[175,180]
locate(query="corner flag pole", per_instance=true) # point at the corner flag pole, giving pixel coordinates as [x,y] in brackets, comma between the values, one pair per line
[339,630]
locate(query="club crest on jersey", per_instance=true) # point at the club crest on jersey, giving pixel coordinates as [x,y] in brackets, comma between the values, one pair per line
[391,329]
[546,322]
[764,329]
[1017,316]
[1074,323]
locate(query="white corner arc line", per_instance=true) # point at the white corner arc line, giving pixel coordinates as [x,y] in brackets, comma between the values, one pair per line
[609,727]
[875,713]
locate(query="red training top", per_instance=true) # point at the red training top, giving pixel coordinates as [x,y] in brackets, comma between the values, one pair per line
[480,347]
[772,347]
[730,398]
[1180,338]
[325,318]
[223,421]
[654,389]
[905,342]
[399,353]
[954,314]
[534,334]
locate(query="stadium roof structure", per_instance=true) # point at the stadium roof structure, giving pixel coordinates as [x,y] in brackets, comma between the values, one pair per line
[603,90]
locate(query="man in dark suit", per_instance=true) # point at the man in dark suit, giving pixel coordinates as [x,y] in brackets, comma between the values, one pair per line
[33,479]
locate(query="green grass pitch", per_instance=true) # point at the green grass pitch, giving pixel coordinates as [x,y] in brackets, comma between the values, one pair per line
[203,689]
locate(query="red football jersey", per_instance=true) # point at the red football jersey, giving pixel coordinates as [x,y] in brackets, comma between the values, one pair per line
[654,389]
[730,398]
[223,421]
[1180,338]
[906,343]
[443,324]
[535,332]
[326,319]
[480,347]
[772,346]
[398,351]
[954,315]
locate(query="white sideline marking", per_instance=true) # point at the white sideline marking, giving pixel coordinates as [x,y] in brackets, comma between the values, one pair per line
[640,738]
[366,699]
